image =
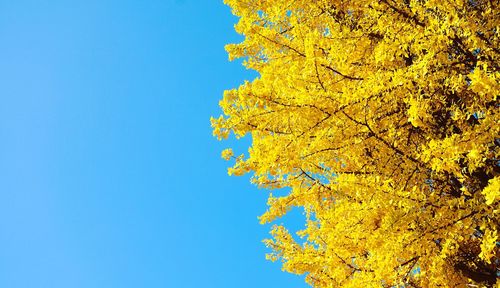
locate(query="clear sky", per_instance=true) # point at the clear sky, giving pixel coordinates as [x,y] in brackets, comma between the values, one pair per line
[109,174]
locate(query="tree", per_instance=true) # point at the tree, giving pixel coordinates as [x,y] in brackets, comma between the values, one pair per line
[380,119]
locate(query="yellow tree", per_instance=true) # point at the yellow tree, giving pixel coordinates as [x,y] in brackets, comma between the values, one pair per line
[380,119]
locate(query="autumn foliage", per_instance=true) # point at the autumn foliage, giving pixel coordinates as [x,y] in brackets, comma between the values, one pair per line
[381,119]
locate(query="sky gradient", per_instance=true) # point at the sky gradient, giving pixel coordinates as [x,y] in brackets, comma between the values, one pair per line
[110,176]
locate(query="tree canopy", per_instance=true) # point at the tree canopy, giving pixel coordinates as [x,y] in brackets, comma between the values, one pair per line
[380,119]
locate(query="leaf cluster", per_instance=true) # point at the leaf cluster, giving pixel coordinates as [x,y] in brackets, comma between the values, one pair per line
[382,120]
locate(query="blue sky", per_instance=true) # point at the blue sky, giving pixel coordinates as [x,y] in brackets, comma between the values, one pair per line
[110,176]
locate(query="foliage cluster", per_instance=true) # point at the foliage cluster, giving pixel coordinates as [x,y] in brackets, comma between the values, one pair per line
[381,119]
